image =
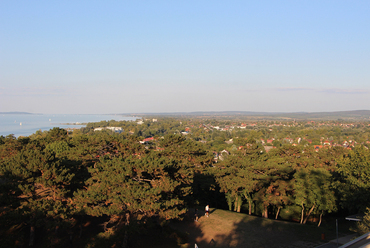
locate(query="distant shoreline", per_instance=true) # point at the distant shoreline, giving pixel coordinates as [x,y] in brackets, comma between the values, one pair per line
[18,113]
[31,123]
[333,115]
[70,123]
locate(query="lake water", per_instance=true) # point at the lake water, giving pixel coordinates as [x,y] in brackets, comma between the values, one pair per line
[27,124]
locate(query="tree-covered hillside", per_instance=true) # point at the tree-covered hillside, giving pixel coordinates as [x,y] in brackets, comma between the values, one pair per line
[56,182]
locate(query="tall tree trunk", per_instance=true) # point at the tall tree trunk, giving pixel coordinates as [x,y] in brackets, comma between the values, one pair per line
[320,218]
[308,215]
[229,201]
[249,199]
[265,212]
[236,203]
[125,239]
[239,203]
[302,213]
[125,236]
[32,236]
[277,213]
[127,219]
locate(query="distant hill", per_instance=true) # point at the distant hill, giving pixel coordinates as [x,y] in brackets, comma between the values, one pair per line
[335,115]
[348,115]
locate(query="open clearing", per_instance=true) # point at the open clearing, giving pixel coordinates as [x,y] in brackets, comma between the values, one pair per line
[229,229]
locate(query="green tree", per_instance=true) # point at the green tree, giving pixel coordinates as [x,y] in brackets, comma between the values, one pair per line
[313,190]
[38,188]
[353,183]
[363,226]
[140,187]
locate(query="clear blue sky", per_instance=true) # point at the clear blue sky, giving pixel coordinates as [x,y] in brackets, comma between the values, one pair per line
[182,56]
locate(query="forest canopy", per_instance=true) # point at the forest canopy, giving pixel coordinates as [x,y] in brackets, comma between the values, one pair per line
[156,171]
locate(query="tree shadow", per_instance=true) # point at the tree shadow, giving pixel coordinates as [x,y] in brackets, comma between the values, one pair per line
[207,192]
[191,228]
[34,229]
[230,229]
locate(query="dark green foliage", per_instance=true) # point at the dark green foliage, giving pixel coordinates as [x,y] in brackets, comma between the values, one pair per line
[354,179]
[313,191]
[145,186]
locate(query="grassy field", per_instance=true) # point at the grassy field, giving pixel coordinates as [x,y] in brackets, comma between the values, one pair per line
[229,229]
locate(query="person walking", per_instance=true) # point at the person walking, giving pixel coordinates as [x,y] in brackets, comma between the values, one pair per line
[207,210]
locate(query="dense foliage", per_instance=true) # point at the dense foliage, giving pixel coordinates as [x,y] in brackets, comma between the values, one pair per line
[157,170]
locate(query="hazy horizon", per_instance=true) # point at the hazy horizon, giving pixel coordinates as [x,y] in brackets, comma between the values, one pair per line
[108,57]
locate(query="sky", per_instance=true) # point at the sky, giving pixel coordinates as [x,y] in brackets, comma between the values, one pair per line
[98,57]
